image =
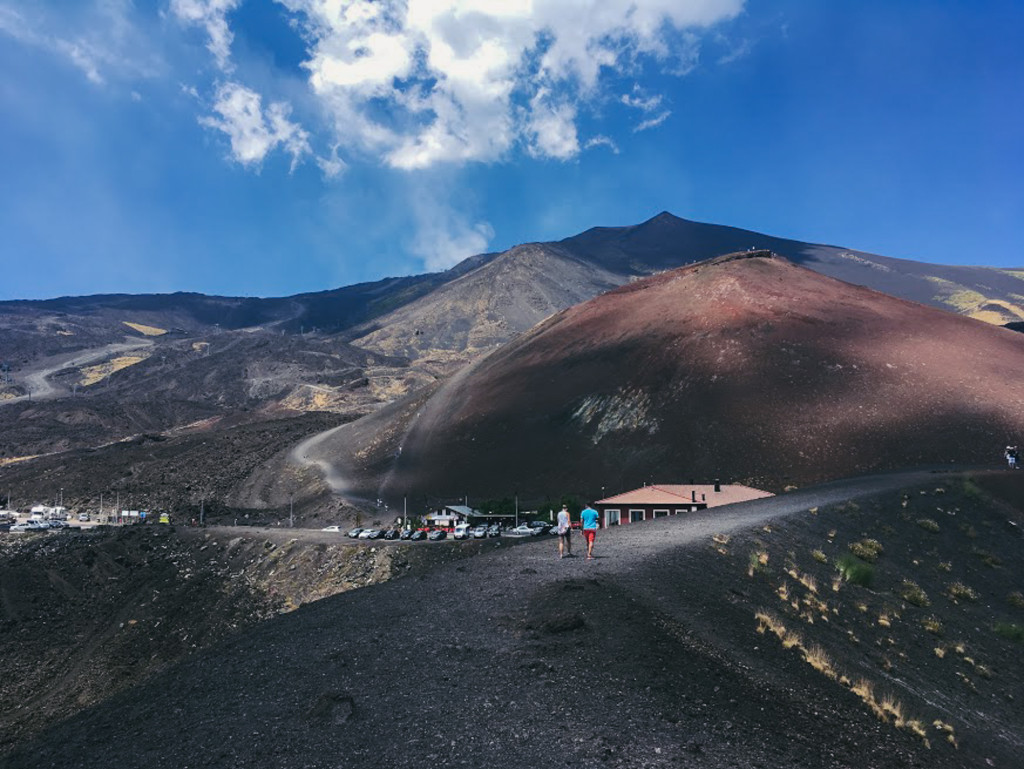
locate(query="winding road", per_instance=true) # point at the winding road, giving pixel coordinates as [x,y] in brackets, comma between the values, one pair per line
[36,377]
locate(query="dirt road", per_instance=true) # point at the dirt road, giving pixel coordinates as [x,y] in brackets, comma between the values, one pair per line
[36,377]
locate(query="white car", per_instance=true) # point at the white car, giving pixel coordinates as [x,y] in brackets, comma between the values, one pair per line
[522,530]
[335,529]
[368,534]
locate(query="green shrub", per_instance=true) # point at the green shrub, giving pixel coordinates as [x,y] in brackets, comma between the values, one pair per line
[1016,599]
[1010,630]
[987,558]
[912,593]
[971,490]
[867,549]
[928,525]
[819,556]
[855,571]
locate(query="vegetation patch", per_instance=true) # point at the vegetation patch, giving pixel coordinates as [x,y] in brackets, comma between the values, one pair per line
[928,524]
[932,625]
[1016,599]
[867,549]
[912,593]
[958,591]
[855,571]
[144,329]
[93,374]
[987,558]
[819,556]
[1010,630]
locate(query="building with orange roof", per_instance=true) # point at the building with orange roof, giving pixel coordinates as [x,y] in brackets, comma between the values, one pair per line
[659,500]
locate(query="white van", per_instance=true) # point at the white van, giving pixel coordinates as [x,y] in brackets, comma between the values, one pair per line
[461,531]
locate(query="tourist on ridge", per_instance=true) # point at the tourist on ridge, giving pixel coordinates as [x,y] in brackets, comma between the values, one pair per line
[564,533]
[588,519]
[1011,457]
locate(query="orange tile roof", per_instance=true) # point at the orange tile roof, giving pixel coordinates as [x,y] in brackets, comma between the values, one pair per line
[677,494]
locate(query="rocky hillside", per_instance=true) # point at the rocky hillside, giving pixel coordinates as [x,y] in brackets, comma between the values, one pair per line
[748,368]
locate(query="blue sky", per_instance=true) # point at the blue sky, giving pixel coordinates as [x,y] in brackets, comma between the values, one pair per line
[270,147]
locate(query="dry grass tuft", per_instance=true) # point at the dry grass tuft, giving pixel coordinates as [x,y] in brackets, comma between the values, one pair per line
[819,556]
[1016,599]
[928,525]
[720,539]
[819,660]
[932,625]
[958,591]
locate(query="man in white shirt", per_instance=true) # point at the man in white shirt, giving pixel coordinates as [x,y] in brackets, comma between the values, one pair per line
[564,533]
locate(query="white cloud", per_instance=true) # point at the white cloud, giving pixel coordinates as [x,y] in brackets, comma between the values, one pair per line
[444,237]
[98,38]
[252,131]
[652,122]
[415,83]
[211,15]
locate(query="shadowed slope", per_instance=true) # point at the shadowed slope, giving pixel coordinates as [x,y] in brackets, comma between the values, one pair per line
[745,367]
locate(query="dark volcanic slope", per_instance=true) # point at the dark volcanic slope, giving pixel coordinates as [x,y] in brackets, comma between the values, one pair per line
[746,368]
[653,655]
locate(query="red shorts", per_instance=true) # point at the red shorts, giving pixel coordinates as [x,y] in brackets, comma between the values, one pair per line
[588,534]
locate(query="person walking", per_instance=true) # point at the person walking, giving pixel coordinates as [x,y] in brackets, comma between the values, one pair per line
[564,533]
[1011,457]
[588,519]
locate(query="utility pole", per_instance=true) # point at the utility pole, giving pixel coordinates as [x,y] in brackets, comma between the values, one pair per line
[291,511]
[202,501]
[517,508]
[101,505]
[405,511]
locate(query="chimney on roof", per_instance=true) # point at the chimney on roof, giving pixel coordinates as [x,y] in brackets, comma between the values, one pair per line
[718,485]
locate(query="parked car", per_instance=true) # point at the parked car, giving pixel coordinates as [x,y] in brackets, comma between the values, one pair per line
[522,530]
[479,532]
[83,517]
[354,532]
[21,527]
[494,530]
[406,534]
[369,534]
[437,534]
[417,535]
[540,527]
[336,529]
[391,534]
[461,531]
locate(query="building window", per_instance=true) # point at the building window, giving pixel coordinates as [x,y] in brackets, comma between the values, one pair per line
[660,513]
[636,515]
[611,517]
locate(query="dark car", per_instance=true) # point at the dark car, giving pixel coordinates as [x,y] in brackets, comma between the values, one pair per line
[377,534]
[391,534]
[355,532]
[417,535]
[406,534]
[437,534]
[540,527]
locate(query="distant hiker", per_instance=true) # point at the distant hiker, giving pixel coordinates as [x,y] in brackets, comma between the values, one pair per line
[1011,457]
[564,533]
[588,518]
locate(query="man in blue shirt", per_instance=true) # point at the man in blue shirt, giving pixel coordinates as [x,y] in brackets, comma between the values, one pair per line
[589,520]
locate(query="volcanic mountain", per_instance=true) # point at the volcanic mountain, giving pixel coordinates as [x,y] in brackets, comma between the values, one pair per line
[746,367]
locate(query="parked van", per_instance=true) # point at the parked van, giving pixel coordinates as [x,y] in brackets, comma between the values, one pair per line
[462,531]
